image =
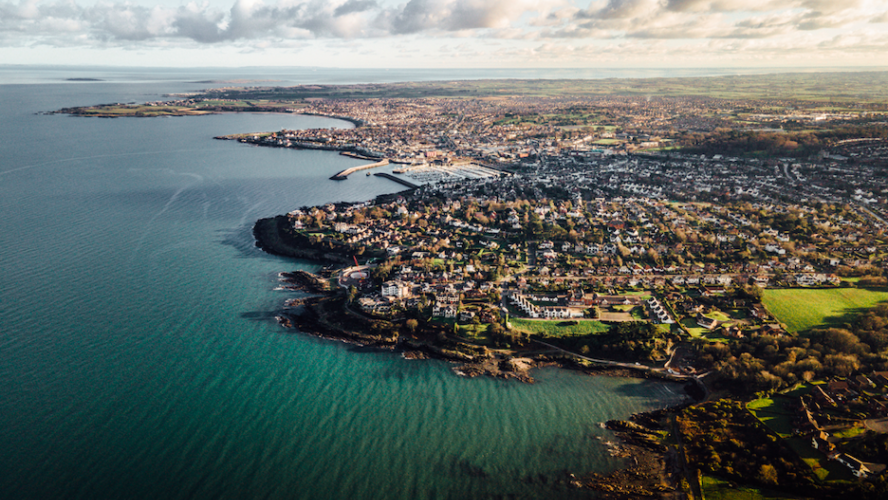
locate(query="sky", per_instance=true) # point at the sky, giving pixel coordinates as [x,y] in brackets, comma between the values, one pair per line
[447,33]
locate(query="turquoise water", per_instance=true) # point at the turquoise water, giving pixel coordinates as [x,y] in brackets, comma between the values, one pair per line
[139,359]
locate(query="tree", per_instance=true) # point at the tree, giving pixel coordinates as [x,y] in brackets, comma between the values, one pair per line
[352,293]
[752,292]
[767,474]
[411,325]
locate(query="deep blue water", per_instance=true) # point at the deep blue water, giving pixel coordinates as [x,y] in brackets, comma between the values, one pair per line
[138,358]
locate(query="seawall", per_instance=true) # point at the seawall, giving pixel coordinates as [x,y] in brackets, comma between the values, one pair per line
[341,176]
[397,179]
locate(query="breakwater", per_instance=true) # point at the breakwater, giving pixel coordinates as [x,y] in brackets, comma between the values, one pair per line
[343,175]
[351,154]
[397,179]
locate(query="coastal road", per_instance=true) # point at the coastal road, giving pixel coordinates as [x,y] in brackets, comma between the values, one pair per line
[617,364]
[877,424]
[665,372]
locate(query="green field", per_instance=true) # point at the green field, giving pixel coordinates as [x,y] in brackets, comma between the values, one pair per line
[849,432]
[775,413]
[559,328]
[693,329]
[803,309]
[718,489]
[718,316]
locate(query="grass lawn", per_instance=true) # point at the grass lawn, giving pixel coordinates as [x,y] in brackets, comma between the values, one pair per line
[718,316]
[694,329]
[774,413]
[738,314]
[803,309]
[664,328]
[559,328]
[802,388]
[849,432]
[473,333]
[719,489]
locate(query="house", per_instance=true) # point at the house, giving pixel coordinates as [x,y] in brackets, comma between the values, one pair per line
[707,323]
[771,329]
[556,312]
[758,311]
[446,310]
[821,397]
[732,332]
[880,378]
[820,442]
[576,298]
[840,389]
[857,467]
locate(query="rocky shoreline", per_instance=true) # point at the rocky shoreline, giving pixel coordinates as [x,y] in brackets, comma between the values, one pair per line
[326,316]
[654,471]
[271,239]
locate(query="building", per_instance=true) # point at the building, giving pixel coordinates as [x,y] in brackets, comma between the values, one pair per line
[397,289]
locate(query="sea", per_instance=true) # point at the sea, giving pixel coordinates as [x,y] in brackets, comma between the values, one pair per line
[139,354]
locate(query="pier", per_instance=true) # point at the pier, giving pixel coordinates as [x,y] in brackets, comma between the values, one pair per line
[352,154]
[397,179]
[343,175]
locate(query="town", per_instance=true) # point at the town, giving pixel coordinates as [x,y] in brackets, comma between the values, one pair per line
[615,248]
[736,245]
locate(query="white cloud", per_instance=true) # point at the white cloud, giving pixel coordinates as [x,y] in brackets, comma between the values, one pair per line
[559,29]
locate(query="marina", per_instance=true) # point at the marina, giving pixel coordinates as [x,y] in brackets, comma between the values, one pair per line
[431,173]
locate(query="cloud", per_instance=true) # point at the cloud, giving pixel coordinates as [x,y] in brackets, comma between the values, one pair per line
[264,23]
[621,9]
[354,6]
[454,15]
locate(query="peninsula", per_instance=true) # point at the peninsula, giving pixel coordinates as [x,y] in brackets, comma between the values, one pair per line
[728,233]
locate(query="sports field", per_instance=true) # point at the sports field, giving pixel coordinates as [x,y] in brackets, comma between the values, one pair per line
[559,328]
[802,309]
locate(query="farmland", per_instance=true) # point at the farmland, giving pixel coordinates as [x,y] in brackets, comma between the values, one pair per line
[803,309]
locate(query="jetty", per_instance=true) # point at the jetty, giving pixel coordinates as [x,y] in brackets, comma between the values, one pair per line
[397,179]
[343,175]
[352,154]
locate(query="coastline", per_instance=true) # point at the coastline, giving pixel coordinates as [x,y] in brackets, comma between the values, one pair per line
[271,235]
[655,470]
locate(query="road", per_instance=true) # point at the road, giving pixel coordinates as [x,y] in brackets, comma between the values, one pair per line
[617,364]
